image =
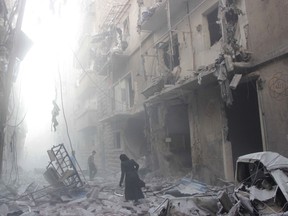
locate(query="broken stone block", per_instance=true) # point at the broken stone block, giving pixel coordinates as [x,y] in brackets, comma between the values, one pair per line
[107,211]
[225,200]
[125,211]
[142,209]
[83,212]
[4,210]
[67,213]
[94,208]
[108,203]
[235,81]
[65,198]
[85,204]
[103,195]
[15,213]
[93,193]
[77,201]
[29,214]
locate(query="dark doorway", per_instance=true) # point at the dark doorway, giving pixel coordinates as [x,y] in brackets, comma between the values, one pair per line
[135,139]
[244,131]
[179,137]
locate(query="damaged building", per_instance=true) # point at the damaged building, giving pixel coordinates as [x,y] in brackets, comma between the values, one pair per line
[14,46]
[190,85]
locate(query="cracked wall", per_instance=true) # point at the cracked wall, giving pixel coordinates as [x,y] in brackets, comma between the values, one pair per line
[272,94]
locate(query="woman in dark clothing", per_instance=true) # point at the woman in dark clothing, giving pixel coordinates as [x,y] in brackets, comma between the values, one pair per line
[133,183]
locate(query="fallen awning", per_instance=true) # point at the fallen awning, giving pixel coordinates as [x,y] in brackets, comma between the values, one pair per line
[182,88]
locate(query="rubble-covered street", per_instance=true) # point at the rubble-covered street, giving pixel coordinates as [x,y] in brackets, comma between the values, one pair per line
[103,196]
[261,190]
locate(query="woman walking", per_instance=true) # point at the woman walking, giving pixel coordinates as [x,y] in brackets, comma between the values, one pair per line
[133,183]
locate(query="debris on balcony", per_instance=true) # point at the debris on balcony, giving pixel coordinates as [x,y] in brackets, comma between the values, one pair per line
[156,86]
[229,15]
[147,12]
[107,44]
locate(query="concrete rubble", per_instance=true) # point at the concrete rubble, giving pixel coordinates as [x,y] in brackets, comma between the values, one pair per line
[103,196]
[261,190]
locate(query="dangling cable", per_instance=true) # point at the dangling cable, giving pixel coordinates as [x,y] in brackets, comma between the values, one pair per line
[62,104]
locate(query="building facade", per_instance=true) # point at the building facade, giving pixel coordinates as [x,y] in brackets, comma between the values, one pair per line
[14,46]
[191,85]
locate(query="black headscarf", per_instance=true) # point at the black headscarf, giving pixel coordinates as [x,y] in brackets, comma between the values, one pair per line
[123,157]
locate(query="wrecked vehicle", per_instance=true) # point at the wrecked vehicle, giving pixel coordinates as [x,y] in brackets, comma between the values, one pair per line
[263,188]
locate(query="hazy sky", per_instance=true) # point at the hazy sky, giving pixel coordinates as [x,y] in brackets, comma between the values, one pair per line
[53,31]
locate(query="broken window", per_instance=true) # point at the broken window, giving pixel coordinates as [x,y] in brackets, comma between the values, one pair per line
[171,53]
[214,28]
[117,140]
[123,94]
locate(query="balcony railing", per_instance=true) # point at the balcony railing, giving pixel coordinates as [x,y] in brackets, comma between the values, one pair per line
[156,16]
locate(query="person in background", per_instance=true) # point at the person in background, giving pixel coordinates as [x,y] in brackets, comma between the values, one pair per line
[92,166]
[133,184]
[73,159]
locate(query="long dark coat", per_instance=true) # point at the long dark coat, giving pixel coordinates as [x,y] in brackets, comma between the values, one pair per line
[133,183]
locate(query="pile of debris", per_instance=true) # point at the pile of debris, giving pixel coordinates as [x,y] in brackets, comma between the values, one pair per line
[263,185]
[262,190]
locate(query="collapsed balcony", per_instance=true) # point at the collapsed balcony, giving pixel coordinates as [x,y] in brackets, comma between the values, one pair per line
[107,50]
[155,16]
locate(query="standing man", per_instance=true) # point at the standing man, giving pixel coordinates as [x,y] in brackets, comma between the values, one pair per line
[92,166]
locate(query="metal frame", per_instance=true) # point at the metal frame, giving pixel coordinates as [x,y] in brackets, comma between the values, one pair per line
[65,169]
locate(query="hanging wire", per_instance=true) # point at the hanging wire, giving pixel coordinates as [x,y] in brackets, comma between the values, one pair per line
[62,104]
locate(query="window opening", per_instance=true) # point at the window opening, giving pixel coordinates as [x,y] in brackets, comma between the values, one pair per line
[214,28]
[117,140]
[174,52]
